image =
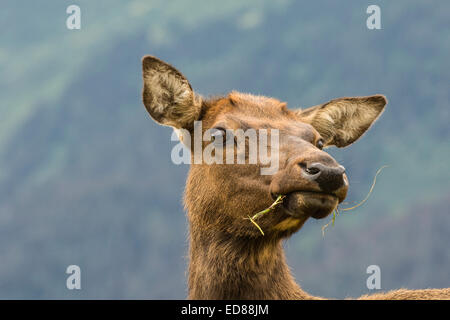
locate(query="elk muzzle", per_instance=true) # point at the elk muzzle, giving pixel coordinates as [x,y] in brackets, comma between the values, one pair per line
[312,187]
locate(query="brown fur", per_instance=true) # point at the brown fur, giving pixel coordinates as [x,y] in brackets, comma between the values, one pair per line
[228,256]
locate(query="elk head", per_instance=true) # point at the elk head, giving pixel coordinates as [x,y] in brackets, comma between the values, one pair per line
[219,196]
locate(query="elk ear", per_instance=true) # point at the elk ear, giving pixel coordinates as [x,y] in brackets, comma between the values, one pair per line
[342,121]
[168,96]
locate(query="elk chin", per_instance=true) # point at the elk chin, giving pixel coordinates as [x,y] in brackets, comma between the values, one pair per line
[302,204]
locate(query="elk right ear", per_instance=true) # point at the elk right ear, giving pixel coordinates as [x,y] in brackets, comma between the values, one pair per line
[168,96]
[342,121]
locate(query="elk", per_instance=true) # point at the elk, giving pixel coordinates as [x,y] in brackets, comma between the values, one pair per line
[229,258]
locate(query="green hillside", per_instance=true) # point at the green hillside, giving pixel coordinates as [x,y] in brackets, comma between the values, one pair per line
[86,176]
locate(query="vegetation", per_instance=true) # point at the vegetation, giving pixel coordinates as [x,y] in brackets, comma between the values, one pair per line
[258,215]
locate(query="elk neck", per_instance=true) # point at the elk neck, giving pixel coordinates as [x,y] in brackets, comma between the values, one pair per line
[222,266]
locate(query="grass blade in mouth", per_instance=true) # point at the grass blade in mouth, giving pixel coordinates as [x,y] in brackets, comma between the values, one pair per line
[265,211]
[257,225]
[370,191]
[336,211]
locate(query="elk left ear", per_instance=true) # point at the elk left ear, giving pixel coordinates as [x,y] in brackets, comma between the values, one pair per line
[342,121]
[168,95]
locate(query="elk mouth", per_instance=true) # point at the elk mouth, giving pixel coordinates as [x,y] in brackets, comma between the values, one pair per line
[300,204]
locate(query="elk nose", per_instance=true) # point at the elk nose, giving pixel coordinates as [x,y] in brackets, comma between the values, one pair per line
[329,178]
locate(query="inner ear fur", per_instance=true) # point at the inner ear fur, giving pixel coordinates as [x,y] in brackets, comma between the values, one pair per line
[342,121]
[168,95]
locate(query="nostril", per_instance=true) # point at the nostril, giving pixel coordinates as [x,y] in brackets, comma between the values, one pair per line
[329,178]
[312,170]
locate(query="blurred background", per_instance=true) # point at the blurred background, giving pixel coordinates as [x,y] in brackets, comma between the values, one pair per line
[86,176]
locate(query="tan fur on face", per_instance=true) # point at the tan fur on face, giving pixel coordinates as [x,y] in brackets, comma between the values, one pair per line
[289,223]
[167,95]
[342,121]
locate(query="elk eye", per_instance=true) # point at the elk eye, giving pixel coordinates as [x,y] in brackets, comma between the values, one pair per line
[320,144]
